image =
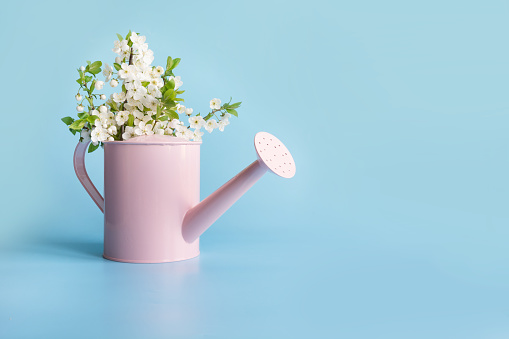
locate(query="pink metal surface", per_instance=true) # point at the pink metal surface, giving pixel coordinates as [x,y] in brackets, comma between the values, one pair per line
[81,173]
[272,155]
[151,199]
[202,216]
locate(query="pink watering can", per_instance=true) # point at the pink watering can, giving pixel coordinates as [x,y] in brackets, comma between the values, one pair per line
[151,205]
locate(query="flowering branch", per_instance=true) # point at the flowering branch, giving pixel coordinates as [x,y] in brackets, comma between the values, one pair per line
[149,102]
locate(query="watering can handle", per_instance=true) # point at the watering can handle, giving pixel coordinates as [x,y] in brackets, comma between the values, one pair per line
[81,173]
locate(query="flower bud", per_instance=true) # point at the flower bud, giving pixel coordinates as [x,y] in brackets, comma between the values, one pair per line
[78,97]
[103,97]
[82,68]
[80,108]
[189,111]
[99,85]
[113,83]
[103,109]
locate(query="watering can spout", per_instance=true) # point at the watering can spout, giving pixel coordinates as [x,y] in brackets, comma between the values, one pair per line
[272,156]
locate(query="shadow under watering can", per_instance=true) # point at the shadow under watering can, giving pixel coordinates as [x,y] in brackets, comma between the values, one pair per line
[151,205]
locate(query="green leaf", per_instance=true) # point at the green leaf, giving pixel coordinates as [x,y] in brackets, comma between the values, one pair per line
[128,35]
[96,64]
[95,71]
[120,38]
[73,131]
[78,124]
[88,78]
[80,81]
[170,94]
[178,99]
[68,120]
[172,115]
[130,121]
[235,105]
[168,103]
[82,115]
[175,63]
[169,63]
[145,83]
[163,118]
[88,62]
[92,118]
[232,112]
[172,84]
[92,87]
[180,92]
[117,66]
[92,147]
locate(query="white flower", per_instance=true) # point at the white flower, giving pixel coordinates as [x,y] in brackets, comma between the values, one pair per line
[174,123]
[122,117]
[103,97]
[210,125]
[99,85]
[82,68]
[189,111]
[137,39]
[79,97]
[118,60]
[127,72]
[103,109]
[128,133]
[120,47]
[159,70]
[85,134]
[80,108]
[107,72]
[118,97]
[112,129]
[222,123]
[144,129]
[113,83]
[215,103]
[196,122]
[181,109]
[197,135]
[94,112]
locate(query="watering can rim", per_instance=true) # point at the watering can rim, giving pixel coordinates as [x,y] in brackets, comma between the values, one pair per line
[154,139]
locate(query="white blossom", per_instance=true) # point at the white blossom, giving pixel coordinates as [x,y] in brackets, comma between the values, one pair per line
[118,97]
[113,83]
[210,125]
[99,85]
[215,103]
[80,108]
[103,97]
[107,72]
[128,133]
[197,135]
[103,109]
[79,97]
[122,117]
[196,122]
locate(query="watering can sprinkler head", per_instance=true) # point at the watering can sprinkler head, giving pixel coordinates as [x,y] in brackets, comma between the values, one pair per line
[272,156]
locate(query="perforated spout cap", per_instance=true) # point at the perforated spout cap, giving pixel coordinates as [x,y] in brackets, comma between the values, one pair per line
[274,154]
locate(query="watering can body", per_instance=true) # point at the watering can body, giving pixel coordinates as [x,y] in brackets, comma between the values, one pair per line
[152,209]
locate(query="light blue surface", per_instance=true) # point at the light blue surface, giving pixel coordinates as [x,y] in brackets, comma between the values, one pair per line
[395,226]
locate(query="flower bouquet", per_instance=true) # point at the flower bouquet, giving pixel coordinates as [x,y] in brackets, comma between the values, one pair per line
[149,101]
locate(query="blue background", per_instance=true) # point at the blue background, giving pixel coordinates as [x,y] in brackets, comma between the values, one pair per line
[395,226]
